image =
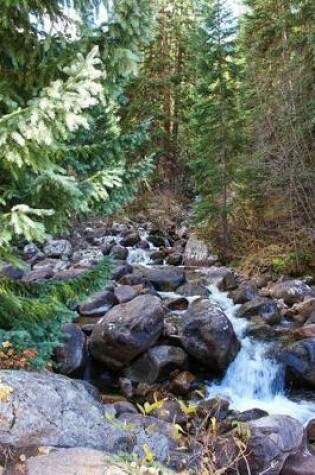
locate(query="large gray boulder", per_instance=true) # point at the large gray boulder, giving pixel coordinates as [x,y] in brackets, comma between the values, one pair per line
[157,363]
[197,254]
[127,331]
[222,277]
[97,304]
[291,291]
[165,279]
[53,410]
[74,461]
[270,441]
[71,354]
[299,362]
[207,335]
[260,310]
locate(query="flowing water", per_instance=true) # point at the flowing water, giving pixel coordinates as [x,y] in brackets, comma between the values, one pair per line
[253,379]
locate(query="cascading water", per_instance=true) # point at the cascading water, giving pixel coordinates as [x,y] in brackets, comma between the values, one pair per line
[253,379]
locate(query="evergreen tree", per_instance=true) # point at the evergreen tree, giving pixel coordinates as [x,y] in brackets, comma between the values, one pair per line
[216,121]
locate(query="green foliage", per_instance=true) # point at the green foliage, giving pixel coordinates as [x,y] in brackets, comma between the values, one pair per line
[31,314]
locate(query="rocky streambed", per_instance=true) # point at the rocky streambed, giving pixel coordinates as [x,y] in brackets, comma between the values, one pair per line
[177,360]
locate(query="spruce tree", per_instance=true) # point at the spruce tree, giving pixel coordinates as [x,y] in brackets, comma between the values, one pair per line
[216,121]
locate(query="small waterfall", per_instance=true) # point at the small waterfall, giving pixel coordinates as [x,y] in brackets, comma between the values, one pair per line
[253,379]
[138,256]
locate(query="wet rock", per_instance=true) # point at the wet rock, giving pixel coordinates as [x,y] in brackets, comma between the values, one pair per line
[98,304]
[58,248]
[291,291]
[310,431]
[303,310]
[53,410]
[194,287]
[260,330]
[143,245]
[127,331]
[208,336]
[222,277]
[175,259]
[74,461]
[119,253]
[299,464]
[176,303]
[299,362]
[124,293]
[130,240]
[157,256]
[165,279]
[244,293]
[197,254]
[271,440]
[181,384]
[157,240]
[215,407]
[119,271]
[70,356]
[156,364]
[261,309]
[250,415]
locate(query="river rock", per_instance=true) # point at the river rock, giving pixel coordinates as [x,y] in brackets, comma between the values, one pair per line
[303,310]
[165,279]
[156,364]
[270,441]
[299,464]
[124,293]
[194,287]
[197,254]
[88,257]
[32,252]
[130,240]
[175,259]
[261,309]
[98,304]
[181,384]
[291,291]
[222,277]
[38,274]
[215,407]
[207,335]
[244,293]
[157,240]
[176,303]
[11,272]
[119,253]
[119,270]
[58,248]
[127,331]
[70,356]
[307,331]
[299,362]
[53,410]
[74,461]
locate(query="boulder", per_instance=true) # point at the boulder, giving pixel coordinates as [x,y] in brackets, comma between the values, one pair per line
[98,304]
[127,331]
[143,245]
[310,431]
[74,461]
[32,252]
[300,464]
[244,293]
[307,331]
[299,362]
[222,277]
[119,253]
[11,272]
[207,335]
[130,240]
[124,293]
[270,441]
[53,410]
[157,240]
[260,310]
[88,257]
[215,407]
[291,291]
[176,303]
[197,254]
[156,364]
[181,384]
[175,259]
[119,271]
[38,274]
[70,356]
[58,248]
[194,287]
[165,279]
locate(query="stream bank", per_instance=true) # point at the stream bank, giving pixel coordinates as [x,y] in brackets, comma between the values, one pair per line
[210,356]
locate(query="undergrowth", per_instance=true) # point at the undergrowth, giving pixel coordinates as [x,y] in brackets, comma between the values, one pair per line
[31,314]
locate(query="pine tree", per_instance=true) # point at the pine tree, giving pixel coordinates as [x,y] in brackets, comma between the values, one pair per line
[216,121]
